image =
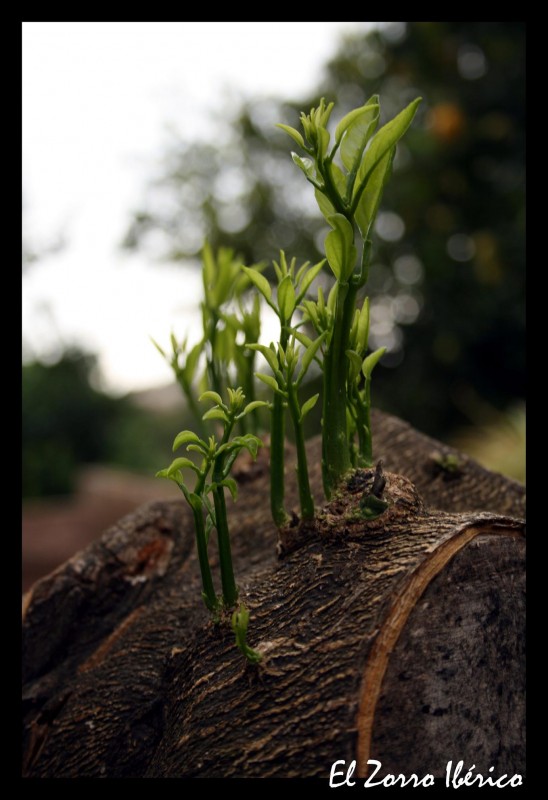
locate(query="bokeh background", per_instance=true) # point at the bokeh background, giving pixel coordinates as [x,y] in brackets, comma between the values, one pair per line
[141,139]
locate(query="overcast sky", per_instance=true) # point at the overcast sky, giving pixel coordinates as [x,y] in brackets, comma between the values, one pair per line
[97,101]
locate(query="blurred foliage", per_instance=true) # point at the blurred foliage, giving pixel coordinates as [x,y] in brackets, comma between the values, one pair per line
[497,441]
[66,423]
[447,282]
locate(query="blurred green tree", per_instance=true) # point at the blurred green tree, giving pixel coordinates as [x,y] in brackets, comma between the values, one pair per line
[447,284]
[67,423]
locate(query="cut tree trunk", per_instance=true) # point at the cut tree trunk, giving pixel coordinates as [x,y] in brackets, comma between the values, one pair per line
[398,639]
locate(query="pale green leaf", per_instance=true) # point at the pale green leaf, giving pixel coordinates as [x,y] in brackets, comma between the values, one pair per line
[323,143]
[306,164]
[332,297]
[363,327]
[231,485]
[269,355]
[283,263]
[240,622]
[242,281]
[311,313]
[196,448]
[357,135]
[309,354]
[339,179]
[303,338]
[181,463]
[371,361]
[225,448]
[186,436]
[227,272]
[334,251]
[383,141]
[157,346]
[278,271]
[260,282]
[250,442]
[309,405]
[209,525]
[321,299]
[252,406]
[236,398]
[195,501]
[286,298]
[214,396]
[209,268]
[351,117]
[224,345]
[324,204]
[355,365]
[292,132]
[370,199]
[302,269]
[192,361]
[339,247]
[308,278]
[354,327]
[215,413]
[270,381]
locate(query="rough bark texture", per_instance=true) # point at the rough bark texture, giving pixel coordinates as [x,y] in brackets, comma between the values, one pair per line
[399,638]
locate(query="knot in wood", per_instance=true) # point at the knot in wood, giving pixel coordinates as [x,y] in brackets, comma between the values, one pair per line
[348,512]
[345,515]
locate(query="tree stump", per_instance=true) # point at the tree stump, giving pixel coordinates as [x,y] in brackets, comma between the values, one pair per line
[398,639]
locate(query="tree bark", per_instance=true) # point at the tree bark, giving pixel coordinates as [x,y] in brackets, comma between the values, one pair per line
[398,638]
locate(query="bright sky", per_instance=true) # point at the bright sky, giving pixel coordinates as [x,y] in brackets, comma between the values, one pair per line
[97,100]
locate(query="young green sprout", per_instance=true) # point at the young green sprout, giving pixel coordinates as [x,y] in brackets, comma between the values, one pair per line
[348,191]
[224,284]
[291,290]
[286,385]
[184,363]
[240,621]
[348,194]
[243,327]
[229,323]
[217,461]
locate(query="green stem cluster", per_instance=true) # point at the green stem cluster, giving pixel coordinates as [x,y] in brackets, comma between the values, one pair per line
[230,592]
[229,323]
[283,359]
[217,461]
[335,450]
[305,495]
[277,461]
[348,196]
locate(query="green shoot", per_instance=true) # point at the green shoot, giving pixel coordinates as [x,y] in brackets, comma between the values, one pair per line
[184,363]
[240,621]
[228,326]
[291,290]
[348,176]
[216,464]
[348,194]
[245,327]
[224,284]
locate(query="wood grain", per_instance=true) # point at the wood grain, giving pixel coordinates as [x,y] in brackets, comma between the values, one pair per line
[377,635]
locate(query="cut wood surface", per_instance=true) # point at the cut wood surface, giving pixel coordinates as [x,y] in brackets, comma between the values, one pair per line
[399,638]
